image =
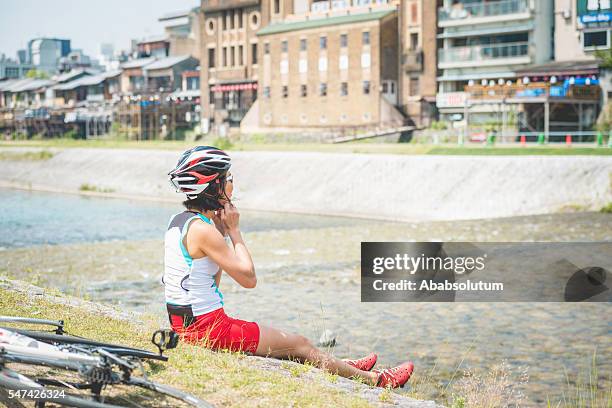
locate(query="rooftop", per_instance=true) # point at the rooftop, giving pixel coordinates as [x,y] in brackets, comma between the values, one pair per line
[323,22]
[138,63]
[167,62]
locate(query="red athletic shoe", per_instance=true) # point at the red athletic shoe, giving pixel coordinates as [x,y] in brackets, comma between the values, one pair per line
[394,377]
[364,364]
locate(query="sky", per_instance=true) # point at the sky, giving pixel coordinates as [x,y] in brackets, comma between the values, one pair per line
[87,23]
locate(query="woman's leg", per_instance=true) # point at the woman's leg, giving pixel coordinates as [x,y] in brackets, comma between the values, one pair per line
[280,344]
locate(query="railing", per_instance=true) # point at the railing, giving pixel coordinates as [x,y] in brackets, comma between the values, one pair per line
[483,52]
[462,11]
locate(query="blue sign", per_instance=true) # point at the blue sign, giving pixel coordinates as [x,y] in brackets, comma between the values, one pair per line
[604,17]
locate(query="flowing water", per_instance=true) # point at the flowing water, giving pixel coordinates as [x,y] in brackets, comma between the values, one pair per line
[308,281]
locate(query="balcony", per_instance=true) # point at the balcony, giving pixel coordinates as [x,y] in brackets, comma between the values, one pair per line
[484,55]
[483,12]
[412,61]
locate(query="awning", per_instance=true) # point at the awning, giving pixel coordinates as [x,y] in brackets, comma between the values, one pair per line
[478,75]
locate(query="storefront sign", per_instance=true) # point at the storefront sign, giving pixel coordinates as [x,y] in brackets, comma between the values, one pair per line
[451,99]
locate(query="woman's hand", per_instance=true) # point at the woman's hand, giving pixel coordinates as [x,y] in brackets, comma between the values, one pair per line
[219,223]
[230,217]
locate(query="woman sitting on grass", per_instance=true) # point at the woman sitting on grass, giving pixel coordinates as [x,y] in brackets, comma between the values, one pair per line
[195,256]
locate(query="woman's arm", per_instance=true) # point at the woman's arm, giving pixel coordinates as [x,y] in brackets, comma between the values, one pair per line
[206,239]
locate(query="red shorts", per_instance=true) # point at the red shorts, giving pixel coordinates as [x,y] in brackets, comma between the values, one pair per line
[218,331]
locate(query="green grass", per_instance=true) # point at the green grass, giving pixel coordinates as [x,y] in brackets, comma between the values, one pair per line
[27,156]
[351,147]
[92,188]
[221,378]
[606,208]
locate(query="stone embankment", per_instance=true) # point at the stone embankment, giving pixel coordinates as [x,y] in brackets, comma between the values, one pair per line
[396,187]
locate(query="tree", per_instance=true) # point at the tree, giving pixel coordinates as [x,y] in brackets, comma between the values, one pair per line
[605,57]
[36,74]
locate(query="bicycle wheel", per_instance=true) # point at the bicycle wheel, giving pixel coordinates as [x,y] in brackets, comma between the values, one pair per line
[13,381]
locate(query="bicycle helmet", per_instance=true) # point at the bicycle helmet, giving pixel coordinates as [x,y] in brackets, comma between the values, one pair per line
[198,169]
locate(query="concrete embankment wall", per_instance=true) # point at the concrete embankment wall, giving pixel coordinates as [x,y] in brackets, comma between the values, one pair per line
[401,187]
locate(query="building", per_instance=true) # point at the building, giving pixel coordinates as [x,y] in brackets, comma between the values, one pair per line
[156,46]
[133,76]
[183,32]
[418,60]
[582,27]
[334,66]
[11,69]
[45,53]
[485,42]
[166,74]
[229,55]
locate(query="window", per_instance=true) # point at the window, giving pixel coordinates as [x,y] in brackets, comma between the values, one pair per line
[322,89]
[254,53]
[304,90]
[211,97]
[230,16]
[224,56]
[266,48]
[266,92]
[211,58]
[276,6]
[323,43]
[254,21]
[303,44]
[344,89]
[414,88]
[285,91]
[366,87]
[365,38]
[284,46]
[240,56]
[239,17]
[343,40]
[384,87]
[596,39]
[414,41]
[232,56]
[224,20]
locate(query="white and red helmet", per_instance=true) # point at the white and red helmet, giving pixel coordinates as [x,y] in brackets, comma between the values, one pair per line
[198,168]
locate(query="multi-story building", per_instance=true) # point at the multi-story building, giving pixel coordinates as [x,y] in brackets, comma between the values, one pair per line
[229,55]
[45,53]
[485,42]
[582,27]
[335,65]
[183,32]
[417,71]
[11,69]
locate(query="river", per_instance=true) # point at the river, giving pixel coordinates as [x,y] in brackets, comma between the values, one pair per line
[308,280]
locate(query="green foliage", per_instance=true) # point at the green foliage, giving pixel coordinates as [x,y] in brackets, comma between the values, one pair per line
[606,208]
[606,58]
[223,143]
[20,156]
[92,188]
[37,74]
[438,125]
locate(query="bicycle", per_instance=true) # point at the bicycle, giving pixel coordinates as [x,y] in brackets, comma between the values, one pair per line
[78,364]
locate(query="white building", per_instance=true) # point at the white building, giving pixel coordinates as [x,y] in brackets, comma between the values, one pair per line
[484,41]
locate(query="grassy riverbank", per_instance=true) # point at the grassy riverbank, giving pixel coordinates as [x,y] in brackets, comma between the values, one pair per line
[224,379]
[351,147]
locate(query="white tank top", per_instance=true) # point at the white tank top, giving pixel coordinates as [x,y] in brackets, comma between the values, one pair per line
[188,281]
